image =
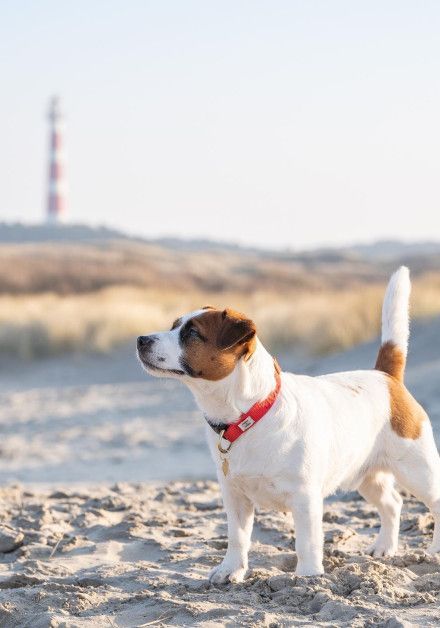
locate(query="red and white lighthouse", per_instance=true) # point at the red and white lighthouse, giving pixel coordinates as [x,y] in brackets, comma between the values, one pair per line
[56,198]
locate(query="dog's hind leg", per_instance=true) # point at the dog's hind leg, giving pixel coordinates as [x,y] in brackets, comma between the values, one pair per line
[419,472]
[378,489]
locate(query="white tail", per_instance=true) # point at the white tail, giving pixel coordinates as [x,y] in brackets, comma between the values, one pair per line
[395,310]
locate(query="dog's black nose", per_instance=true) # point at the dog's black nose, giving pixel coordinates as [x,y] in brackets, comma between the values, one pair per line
[145,342]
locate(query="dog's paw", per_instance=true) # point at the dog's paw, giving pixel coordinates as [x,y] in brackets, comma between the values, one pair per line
[227,572]
[381,549]
[309,570]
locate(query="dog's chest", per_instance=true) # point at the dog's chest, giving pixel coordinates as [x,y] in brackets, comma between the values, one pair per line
[264,492]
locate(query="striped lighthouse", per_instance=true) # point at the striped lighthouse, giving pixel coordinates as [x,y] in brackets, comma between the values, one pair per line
[56,198]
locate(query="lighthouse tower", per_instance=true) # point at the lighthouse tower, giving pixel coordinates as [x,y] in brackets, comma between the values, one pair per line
[56,198]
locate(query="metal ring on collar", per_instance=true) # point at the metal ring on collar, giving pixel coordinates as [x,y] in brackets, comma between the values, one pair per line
[221,449]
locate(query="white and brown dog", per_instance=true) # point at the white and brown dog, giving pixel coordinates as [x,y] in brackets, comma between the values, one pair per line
[355,430]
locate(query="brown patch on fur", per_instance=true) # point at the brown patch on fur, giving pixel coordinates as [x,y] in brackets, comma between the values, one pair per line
[391,360]
[407,415]
[227,336]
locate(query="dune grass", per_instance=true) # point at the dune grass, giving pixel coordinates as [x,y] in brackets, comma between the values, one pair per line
[318,322]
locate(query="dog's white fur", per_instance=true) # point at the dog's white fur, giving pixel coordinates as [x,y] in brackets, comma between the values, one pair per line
[322,433]
[395,318]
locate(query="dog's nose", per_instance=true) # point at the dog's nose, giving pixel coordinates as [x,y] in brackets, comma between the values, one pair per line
[145,342]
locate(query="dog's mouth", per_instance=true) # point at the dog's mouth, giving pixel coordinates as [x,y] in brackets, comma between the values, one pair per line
[152,367]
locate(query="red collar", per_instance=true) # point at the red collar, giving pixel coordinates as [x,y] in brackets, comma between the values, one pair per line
[232,431]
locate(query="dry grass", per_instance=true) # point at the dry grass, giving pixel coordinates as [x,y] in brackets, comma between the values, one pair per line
[75,268]
[320,321]
[64,297]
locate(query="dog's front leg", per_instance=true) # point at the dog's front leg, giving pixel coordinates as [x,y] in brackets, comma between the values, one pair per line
[307,507]
[240,515]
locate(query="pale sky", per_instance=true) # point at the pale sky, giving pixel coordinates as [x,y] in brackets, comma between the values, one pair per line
[281,123]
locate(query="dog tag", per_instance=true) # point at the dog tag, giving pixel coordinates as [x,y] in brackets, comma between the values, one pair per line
[225,466]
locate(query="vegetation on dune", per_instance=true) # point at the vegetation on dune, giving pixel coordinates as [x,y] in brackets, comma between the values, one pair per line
[65,297]
[319,322]
[71,268]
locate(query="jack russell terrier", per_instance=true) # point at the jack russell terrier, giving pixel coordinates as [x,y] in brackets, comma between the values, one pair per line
[287,441]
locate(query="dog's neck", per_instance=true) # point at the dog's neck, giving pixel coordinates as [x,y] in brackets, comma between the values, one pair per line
[225,400]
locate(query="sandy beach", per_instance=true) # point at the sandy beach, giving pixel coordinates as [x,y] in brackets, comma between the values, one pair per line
[110,515]
[139,554]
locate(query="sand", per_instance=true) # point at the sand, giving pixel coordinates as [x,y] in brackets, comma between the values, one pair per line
[139,554]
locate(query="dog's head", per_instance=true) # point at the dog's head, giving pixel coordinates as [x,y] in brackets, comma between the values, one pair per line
[206,344]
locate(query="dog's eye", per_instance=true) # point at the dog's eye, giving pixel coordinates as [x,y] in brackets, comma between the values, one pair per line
[194,333]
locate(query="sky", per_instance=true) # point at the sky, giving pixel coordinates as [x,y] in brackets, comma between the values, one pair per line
[291,123]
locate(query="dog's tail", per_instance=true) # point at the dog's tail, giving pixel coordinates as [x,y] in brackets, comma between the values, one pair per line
[395,325]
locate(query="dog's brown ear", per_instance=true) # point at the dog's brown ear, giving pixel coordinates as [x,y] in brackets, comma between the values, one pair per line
[235,329]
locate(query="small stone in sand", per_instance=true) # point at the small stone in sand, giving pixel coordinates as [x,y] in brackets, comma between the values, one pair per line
[10,540]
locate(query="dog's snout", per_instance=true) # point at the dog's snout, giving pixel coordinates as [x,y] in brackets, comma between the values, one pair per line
[145,342]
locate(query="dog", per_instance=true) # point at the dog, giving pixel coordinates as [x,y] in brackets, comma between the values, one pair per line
[284,441]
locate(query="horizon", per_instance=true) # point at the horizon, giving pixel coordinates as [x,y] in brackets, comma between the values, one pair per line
[246,123]
[227,243]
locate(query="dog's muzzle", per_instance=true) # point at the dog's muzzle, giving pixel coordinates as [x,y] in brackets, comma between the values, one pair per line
[145,346]
[145,343]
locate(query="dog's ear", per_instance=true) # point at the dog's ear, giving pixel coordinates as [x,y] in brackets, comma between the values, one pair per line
[235,329]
